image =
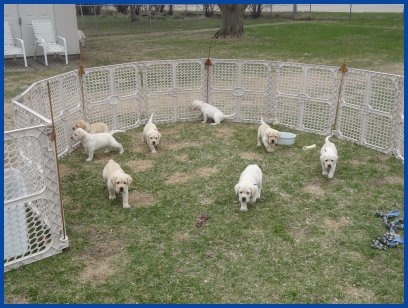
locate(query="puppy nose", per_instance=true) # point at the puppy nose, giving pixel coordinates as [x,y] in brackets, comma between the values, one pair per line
[121,189]
[328,166]
[273,141]
[243,198]
[154,142]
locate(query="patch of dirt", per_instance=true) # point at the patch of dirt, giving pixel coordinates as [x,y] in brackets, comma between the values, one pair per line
[224,132]
[336,224]
[181,237]
[140,165]
[356,163]
[15,299]
[174,146]
[359,295]
[394,180]
[314,190]
[170,131]
[178,178]
[250,156]
[139,199]
[206,171]
[100,262]
[182,157]
[206,201]
[64,170]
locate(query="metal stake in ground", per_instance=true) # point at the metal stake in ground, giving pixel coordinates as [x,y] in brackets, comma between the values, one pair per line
[343,69]
[208,63]
[54,142]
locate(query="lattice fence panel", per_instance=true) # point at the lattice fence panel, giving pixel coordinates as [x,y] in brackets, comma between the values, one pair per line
[350,126]
[288,111]
[184,99]
[101,112]
[225,101]
[97,85]
[252,106]
[159,77]
[316,117]
[125,81]
[355,89]
[255,77]
[291,79]
[321,83]
[378,132]
[32,215]
[189,76]
[163,106]
[224,75]
[383,94]
[127,113]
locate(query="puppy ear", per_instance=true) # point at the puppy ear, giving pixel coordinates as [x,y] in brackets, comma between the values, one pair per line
[113,180]
[159,136]
[130,180]
[236,188]
[254,190]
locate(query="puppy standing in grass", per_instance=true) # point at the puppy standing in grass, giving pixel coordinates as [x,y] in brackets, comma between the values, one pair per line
[92,128]
[151,135]
[328,158]
[117,182]
[268,136]
[249,186]
[211,112]
[93,142]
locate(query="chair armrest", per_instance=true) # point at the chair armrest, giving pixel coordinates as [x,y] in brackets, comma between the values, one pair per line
[20,40]
[40,40]
[61,38]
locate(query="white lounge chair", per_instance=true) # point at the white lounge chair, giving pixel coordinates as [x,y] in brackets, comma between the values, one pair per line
[9,48]
[45,38]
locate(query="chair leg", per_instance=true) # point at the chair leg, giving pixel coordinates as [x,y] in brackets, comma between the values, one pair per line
[25,60]
[35,52]
[66,56]
[45,57]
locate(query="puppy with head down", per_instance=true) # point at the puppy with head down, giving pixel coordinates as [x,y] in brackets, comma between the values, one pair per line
[91,128]
[211,112]
[268,136]
[93,142]
[151,135]
[117,181]
[249,186]
[328,158]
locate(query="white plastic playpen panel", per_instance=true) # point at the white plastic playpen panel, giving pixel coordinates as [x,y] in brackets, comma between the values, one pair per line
[369,107]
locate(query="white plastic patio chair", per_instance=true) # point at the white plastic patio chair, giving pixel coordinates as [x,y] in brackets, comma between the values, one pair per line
[9,48]
[45,38]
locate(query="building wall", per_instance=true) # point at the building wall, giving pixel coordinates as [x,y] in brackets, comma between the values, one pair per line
[62,16]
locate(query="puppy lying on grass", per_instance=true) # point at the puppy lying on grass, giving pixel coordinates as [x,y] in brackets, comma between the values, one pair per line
[117,182]
[93,142]
[92,128]
[211,112]
[151,135]
[249,186]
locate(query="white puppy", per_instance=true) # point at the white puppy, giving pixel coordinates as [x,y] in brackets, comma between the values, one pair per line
[211,112]
[328,158]
[93,142]
[117,181]
[249,186]
[151,135]
[91,128]
[267,135]
[81,38]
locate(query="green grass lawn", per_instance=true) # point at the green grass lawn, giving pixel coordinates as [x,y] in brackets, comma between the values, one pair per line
[306,241]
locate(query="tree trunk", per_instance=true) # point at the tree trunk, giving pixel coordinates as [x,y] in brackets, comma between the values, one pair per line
[134,12]
[232,20]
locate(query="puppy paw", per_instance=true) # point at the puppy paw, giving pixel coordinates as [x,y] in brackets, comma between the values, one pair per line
[113,197]
[121,151]
[324,173]
[89,159]
[330,176]
[243,209]
[126,206]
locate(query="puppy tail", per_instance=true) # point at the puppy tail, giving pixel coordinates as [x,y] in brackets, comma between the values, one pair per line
[229,116]
[116,131]
[326,140]
[151,118]
[262,121]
